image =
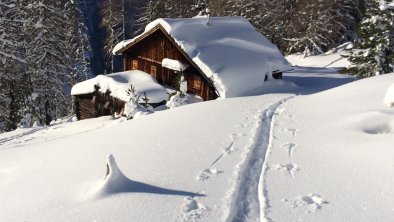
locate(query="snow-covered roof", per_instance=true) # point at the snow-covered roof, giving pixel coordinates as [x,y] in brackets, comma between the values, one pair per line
[173,64]
[229,51]
[118,83]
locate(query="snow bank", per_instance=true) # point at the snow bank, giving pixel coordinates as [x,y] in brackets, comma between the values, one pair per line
[178,100]
[389,97]
[118,83]
[229,51]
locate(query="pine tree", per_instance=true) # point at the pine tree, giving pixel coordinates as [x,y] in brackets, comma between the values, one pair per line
[77,61]
[154,10]
[78,45]
[374,49]
[115,23]
[45,56]
[317,26]
[12,63]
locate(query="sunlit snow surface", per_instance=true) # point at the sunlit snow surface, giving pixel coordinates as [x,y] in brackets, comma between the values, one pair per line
[308,151]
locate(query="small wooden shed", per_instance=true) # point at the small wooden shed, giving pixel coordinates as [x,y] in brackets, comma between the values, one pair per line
[107,94]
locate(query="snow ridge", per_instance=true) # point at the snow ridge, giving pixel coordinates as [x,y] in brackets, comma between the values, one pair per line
[250,200]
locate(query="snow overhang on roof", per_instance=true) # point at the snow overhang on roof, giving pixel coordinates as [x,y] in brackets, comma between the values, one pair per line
[229,51]
[173,64]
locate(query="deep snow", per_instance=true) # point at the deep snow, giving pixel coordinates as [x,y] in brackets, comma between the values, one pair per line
[309,151]
[331,156]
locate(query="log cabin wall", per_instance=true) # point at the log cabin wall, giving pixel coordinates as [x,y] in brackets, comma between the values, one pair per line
[97,104]
[147,54]
[85,108]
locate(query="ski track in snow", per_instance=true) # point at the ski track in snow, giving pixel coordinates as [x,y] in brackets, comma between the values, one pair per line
[250,197]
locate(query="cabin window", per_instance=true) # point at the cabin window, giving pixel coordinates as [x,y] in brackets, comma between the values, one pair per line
[277,75]
[162,44]
[197,83]
[106,105]
[93,99]
[134,64]
[153,71]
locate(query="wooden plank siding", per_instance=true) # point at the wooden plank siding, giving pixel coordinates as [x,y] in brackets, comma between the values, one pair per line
[146,55]
[97,104]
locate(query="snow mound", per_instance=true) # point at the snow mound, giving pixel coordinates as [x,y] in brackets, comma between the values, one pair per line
[229,51]
[118,83]
[389,97]
[115,182]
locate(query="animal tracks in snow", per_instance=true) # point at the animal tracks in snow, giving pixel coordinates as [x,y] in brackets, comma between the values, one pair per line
[237,135]
[291,169]
[206,174]
[311,203]
[192,209]
[290,148]
[292,131]
[211,170]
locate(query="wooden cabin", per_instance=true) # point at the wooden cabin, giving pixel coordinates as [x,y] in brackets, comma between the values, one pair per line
[220,57]
[147,52]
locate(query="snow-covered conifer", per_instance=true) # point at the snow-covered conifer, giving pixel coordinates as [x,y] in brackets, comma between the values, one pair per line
[45,57]
[78,46]
[12,63]
[373,52]
[317,26]
[114,21]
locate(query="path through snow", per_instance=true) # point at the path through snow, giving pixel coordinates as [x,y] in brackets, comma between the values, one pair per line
[250,197]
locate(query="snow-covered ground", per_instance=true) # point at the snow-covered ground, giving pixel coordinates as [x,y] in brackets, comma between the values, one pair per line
[309,150]
[331,157]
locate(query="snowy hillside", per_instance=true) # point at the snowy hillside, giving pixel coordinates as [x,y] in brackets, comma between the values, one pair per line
[312,150]
[331,156]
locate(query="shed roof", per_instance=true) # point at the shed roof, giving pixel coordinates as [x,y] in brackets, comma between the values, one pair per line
[119,83]
[229,51]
